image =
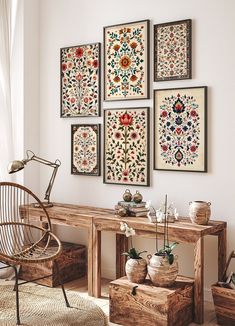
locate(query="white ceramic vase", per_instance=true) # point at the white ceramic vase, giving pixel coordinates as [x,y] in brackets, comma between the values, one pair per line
[160,271]
[136,270]
[199,212]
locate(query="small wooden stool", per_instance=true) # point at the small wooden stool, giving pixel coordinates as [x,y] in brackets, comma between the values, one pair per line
[149,305]
[72,264]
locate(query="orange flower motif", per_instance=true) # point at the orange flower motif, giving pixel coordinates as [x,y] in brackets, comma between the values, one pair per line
[133,78]
[133,45]
[116,47]
[125,62]
[116,79]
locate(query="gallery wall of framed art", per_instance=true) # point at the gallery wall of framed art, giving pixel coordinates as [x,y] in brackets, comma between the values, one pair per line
[179,115]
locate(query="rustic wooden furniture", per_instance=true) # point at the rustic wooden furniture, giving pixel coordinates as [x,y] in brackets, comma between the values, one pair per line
[182,231]
[145,304]
[72,263]
[21,242]
[96,220]
[224,301]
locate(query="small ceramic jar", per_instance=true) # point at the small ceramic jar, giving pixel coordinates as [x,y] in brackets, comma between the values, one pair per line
[199,212]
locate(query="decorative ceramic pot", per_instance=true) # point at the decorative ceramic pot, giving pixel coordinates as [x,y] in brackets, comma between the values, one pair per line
[137,197]
[160,271]
[199,212]
[127,196]
[136,270]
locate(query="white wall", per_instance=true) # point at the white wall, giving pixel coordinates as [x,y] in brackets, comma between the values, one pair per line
[72,22]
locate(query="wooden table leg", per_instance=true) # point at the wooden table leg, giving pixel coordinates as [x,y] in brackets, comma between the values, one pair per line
[222,252]
[199,281]
[121,246]
[96,262]
[90,262]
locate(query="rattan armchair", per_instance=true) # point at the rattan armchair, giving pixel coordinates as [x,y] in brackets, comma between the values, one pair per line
[23,241]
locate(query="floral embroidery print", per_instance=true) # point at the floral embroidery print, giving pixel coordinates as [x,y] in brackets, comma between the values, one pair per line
[85,149]
[126,146]
[80,80]
[172,50]
[126,61]
[179,123]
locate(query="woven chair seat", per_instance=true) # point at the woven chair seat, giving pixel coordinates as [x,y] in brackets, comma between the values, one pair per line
[46,248]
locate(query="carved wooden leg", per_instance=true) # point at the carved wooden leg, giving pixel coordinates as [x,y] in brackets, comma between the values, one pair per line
[222,253]
[89,263]
[199,281]
[96,262]
[121,246]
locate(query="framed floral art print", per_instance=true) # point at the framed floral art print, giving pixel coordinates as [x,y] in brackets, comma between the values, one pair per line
[172,50]
[126,146]
[80,81]
[126,61]
[180,129]
[85,149]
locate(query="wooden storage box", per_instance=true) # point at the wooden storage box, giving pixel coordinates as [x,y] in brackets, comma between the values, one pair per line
[151,305]
[224,302]
[72,264]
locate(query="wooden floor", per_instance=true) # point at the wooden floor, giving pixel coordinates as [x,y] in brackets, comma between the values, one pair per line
[80,286]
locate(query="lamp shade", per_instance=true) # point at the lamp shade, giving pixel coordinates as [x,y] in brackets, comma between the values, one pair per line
[15,166]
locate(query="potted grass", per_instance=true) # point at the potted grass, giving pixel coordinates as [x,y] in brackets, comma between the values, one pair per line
[136,266]
[163,265]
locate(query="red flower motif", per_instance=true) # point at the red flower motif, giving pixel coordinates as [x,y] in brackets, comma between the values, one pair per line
[164,114]
[193,113]
[133,45]
[84,162]
[193,148]
[125,173]
[125,119]
[134,135]
[72,100]
[84,134]
[79,52]
[116,47]
[178,131]
[117,135]
[164,148]
[86,100]
[64,66]
[95,63]
[125,179]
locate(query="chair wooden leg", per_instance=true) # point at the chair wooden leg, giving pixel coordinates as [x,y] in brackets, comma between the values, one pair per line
[16,289]
[62,286]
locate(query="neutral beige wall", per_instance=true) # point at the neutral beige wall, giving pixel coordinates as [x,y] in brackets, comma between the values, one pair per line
[73,22]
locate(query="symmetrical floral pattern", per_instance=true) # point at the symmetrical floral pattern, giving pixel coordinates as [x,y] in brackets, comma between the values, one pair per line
[126,61]
[85,149]
[126,146]
[179,123]
[80,75]
[172,51]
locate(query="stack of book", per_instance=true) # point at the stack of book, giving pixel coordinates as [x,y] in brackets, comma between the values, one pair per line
[133,209]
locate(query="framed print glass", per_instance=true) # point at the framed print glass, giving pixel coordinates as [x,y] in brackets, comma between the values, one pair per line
[172,50]
[85,149]
[80,81]
[126,146]
[126,61]
[180,129]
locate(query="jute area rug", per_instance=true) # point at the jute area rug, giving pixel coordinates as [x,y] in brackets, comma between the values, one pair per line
[42,306]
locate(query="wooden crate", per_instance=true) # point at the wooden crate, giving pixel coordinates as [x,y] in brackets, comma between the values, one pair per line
[72,264]
[151,305]
[224,302]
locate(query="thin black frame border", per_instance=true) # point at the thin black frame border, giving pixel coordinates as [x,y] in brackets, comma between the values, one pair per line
[148,62]
[98,147]
[99,81]
[205,88]
[147,145]
[155,57]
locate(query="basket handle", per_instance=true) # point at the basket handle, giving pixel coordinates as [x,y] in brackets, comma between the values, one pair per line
[232,255]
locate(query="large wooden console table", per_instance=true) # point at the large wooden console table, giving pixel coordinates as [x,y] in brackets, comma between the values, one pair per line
[98,219]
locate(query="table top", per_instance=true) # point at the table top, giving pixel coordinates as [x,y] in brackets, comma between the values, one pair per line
[106,219]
